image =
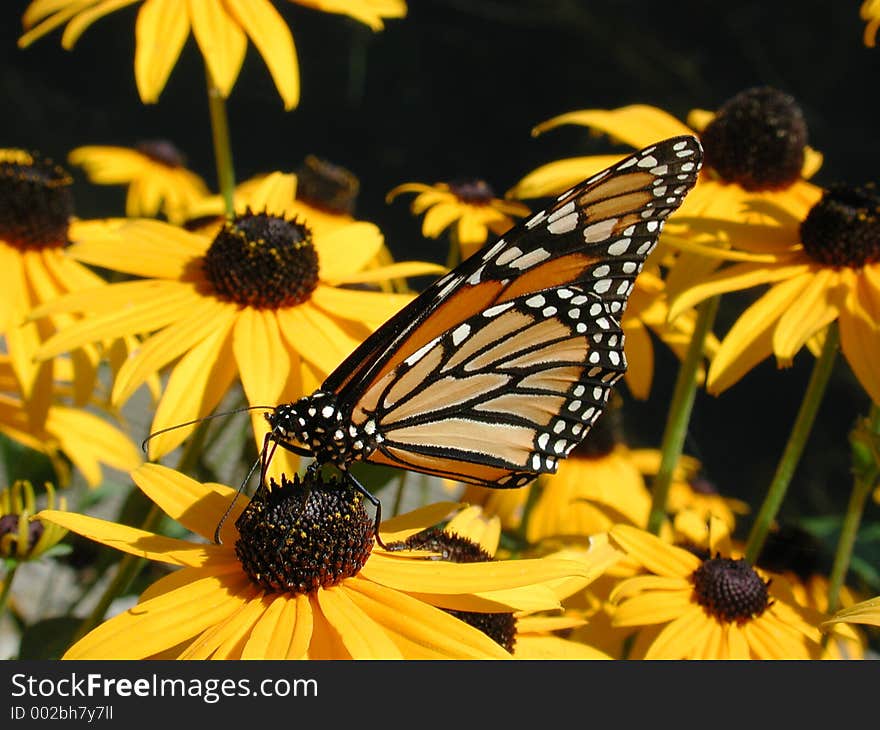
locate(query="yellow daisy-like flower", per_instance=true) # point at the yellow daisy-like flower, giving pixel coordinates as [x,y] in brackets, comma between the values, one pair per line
[23,537]
[870,13]
[261,595]
[469,204]
[821,257]
[154,172]
[221,29]
[715,608]
[263,301]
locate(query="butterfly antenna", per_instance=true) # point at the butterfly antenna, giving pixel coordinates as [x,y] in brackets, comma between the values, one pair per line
[199,420]
[263,462]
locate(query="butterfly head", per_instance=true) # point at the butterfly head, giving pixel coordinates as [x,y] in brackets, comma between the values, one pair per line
[317,425]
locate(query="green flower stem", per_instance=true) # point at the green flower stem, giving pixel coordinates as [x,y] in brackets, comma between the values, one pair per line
[130,565]
[6,588]
[222,145]
[680,412]
[797,440]
[865,440]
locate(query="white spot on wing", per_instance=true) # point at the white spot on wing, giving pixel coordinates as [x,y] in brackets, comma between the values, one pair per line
[599,231]
[508,255]
[530,259]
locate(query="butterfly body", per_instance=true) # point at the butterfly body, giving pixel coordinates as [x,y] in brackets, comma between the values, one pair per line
[498,370]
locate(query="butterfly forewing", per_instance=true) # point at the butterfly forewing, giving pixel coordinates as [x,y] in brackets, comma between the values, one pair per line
[499,368]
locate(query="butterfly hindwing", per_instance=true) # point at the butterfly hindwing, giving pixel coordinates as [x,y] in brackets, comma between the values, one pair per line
[504,395]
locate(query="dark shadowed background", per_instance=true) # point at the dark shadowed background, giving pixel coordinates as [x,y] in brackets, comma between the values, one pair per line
[453,90]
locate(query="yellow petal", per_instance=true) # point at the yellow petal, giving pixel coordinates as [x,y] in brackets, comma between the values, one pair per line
[554,647]
[866,612]
[78,25]
[678,639]
[221,41]
[749,341]
[163,622]
[137,542]
[141,247]
[197,383]
[273,629]
[316,336]
[422,630]
[203,317]
[814,308]
[860,333]
[555,177]
[347,250]
[733,278]
[439,218]
[400,270]
[194,505]
[401,527]
[270,34]
[263,360]
[637,125]
[225,638]
[161,29]
[433,576]
[371,308]
[363,637]
[655,607]
[657,556]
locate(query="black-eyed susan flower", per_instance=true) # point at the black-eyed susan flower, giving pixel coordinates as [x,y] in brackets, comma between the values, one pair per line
[820,256]
[470,205]
[299,575]
[716,607]
[870,13]
[263,301]
[36,229]
[23,537]
[154,171]
[221,29]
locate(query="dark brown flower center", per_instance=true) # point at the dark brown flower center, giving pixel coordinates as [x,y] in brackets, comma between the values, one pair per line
[162,151]
[325,185]
[843,228]
[500,627]
[730,590]
[701,485]
[35,200]
[262,261]
[475,191]
[9,534]
[304,534]
[757,139]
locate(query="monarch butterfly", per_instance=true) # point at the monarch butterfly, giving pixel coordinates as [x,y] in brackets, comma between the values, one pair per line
[499,369]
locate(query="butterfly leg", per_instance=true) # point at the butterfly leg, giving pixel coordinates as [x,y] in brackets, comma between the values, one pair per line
[375,501]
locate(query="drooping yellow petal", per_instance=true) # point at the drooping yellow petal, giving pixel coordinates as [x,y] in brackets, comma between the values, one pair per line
[657,556]
[132,540]
[678,639]
[347,250]
[270,34]
[457,578]
[52,13]
[422,631]
[90,440]
[815,307]
[161,30]
[197,383]
[555,177]
[371,308]
[203,318]
[860,331]
[640,358]
[637,125]
[194,505]
[273,629]
[165,621]
[749,341]
[317,337]
[439,218]
[733,278]
[221,41]
[263,360]
[363,637]
[164,251]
